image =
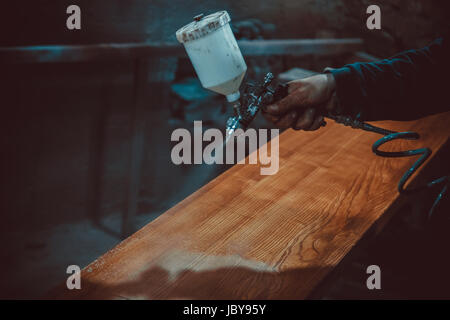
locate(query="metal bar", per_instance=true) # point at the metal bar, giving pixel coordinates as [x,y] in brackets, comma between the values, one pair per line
[137,128]
[123,51]
[96,156]
[299,47]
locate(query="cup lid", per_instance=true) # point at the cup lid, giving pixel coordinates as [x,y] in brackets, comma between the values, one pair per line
[202,25]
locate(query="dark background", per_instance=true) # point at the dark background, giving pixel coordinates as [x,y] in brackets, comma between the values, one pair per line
[405,23]
[53,114]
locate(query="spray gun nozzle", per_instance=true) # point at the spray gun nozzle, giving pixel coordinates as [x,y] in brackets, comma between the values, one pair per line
[254,98]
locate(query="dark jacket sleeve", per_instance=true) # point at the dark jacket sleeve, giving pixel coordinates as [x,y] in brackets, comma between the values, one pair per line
[407,86]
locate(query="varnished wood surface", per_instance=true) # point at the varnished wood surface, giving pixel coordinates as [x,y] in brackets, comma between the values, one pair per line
[245,235]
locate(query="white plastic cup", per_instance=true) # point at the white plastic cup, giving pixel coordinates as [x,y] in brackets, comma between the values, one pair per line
[214,53]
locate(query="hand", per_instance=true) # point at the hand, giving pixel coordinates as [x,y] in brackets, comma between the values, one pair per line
[305,104]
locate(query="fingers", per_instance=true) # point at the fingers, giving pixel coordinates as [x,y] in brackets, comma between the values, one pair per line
[310,120]
[306,101]
[283,121]
[294,85]
[331,103]
[293,100]
[317,123]
[271,118]
[305,120]
[288,120]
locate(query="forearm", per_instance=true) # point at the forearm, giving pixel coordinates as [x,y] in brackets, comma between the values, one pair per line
[406,86]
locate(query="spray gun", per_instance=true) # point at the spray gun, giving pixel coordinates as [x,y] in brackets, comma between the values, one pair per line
[218,62]
[220,66]
[254,97]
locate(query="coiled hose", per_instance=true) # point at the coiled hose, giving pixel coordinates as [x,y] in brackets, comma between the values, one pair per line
[392,135]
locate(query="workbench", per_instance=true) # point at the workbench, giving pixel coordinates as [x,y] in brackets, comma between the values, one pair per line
[249,236]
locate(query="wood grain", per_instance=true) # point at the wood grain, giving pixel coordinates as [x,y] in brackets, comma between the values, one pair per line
[248,236]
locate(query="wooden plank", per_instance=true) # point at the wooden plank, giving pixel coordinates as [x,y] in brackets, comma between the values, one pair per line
[245,235]
[120,51]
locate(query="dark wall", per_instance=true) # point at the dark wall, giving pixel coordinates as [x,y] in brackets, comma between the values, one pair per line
[405,23]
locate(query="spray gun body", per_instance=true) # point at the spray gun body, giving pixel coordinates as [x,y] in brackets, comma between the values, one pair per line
[220,66]
[253,99]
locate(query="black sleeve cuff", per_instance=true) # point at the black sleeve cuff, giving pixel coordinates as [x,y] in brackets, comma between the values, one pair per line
[347,88]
